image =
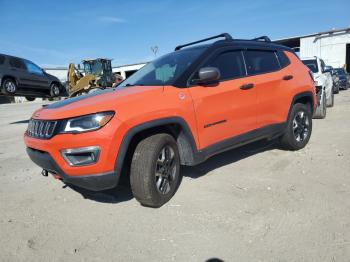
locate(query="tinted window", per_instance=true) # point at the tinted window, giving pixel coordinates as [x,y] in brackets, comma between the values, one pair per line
[17,63]
[322,65]
[2,59]
[311,64]
[33,68]
[282,58]
[258,62]
[230,64]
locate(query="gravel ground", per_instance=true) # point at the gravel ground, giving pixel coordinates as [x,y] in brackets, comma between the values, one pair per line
[256,203]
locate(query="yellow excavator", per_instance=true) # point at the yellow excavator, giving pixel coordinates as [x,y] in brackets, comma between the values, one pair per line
[96,74]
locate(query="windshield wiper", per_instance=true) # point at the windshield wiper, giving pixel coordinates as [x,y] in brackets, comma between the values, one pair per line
[134,85]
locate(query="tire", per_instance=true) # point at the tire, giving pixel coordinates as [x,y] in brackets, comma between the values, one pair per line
[321,110]
[30,98]
[299,128]
[9,86]
[149,187]
[336,89]
[330,102]
[54,90]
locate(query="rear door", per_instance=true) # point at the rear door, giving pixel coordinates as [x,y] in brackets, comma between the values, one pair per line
[271,84]
[224,110]
[19,71]
[38,78]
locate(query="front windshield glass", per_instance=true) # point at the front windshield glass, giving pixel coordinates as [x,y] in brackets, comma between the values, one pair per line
[312,65]
[164,70]
[94,68]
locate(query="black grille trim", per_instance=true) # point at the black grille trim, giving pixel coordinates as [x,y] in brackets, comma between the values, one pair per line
[43,129]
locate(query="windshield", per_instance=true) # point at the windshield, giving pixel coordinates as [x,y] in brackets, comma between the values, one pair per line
[312,65]
[164,70]
[94,68]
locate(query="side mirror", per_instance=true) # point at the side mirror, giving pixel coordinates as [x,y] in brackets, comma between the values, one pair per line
[207,75]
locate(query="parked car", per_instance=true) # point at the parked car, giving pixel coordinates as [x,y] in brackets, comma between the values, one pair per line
[323,82]
[180,109]
[341,78]
[334,78]
[21,77]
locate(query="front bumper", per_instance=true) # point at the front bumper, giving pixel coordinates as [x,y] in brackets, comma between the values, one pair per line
[94,182]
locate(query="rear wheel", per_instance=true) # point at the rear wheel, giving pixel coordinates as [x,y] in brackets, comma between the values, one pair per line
[9,86]
[54,90]
[155,170]
[321,109]
[299,128]
[336,89]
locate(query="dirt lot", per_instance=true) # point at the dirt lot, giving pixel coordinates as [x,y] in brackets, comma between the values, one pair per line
[258,203]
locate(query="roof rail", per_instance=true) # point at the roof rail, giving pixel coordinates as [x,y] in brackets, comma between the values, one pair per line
[225,35]
[262,38]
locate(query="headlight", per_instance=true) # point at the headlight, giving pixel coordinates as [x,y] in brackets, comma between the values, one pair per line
[86,123]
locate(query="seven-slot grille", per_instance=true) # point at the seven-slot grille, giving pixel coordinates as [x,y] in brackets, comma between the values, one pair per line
[41,128]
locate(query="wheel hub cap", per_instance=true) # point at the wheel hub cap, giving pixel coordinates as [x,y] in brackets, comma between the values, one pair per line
[301,125]
[165,170]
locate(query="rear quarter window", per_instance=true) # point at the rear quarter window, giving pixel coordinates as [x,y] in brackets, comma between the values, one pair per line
[261,61]
[282,58]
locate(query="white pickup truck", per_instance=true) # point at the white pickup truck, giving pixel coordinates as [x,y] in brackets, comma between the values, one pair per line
[324,84]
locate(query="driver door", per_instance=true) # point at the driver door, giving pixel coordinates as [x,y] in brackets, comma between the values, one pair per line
[226,109]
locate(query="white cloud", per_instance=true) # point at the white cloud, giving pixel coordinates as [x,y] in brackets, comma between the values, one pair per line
[111,19]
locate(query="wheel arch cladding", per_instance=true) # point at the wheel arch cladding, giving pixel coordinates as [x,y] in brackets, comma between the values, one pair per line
[175,126]
[304,98]
[5,77]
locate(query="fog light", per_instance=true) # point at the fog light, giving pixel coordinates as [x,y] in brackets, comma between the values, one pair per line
[81,156]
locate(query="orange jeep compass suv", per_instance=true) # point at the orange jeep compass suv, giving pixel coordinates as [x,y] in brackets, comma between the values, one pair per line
[180,109]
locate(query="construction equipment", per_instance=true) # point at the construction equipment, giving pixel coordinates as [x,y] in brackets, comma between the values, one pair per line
[96,74]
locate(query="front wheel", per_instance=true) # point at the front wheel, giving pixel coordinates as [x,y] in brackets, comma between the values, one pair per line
[299,128]
[54,90]
[155,170]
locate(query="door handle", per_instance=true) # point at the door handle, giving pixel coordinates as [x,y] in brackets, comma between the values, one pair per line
[247,86]
[287,77]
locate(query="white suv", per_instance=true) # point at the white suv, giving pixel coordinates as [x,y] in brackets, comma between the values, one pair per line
[324,84]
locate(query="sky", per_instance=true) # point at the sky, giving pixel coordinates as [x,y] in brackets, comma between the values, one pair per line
[56,33]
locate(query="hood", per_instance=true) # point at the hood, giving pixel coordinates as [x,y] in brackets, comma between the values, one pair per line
[52,77]
[98,101]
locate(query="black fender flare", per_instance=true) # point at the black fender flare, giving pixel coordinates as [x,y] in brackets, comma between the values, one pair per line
[306,94]
[185,136]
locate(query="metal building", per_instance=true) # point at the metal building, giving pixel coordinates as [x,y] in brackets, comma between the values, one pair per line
[332,46]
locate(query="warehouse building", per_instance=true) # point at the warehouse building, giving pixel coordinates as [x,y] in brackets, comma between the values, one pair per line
[332,46]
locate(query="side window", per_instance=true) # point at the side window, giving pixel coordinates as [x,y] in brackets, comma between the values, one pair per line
[282,58]
[258,61]
[2,59]
[230,64]
[17,63]
[33,68]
